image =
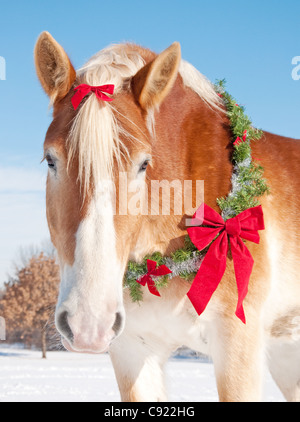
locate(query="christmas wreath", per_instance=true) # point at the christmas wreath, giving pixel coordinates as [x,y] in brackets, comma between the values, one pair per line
[203,257]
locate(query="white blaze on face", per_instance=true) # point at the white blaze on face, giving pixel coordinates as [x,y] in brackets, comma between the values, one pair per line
[90,308]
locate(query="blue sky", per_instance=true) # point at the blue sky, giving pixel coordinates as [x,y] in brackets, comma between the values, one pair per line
[250,43]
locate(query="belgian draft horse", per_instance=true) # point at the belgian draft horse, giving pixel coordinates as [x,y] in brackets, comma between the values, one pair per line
[166,122]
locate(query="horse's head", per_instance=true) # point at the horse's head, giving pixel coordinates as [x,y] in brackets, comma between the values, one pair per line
[91,226]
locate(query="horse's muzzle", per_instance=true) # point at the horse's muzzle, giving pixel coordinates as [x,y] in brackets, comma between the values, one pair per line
[87,335]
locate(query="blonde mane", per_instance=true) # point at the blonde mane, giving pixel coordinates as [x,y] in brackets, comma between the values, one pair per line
[95,132]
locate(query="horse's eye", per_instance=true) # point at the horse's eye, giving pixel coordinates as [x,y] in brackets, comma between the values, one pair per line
[144,165]
[50,161]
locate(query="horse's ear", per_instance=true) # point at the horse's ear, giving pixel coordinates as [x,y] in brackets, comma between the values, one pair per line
[53,67]
[153,82]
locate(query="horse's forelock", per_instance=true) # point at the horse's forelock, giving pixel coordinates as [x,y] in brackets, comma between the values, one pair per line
[95,135]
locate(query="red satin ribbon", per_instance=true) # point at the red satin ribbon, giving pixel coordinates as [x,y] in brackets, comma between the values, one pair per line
[152,270]
[244,226]
[83,90]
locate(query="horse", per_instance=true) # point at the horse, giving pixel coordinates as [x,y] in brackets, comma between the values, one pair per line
[166,122]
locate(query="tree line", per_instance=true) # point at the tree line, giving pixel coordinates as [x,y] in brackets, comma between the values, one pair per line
[27,303]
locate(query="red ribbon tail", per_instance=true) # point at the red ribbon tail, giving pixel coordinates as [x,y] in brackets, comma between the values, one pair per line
[103,97]
[78,97]
[210,274]
[143,280]
[152,287]
[146,279]
[243,264]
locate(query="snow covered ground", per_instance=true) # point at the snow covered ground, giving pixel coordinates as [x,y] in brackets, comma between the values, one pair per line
[67,377]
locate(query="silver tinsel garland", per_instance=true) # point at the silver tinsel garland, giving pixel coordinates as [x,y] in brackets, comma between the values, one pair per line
[189,266]
[236,185]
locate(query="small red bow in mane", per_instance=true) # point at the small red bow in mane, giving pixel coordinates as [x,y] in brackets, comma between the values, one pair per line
[152,270]
[245,225]
[83,90]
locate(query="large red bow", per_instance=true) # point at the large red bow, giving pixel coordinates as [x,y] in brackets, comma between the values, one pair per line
[245,225]
[152,270]
[82,90]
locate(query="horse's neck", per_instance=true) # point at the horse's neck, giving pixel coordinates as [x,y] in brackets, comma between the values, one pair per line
[192,143]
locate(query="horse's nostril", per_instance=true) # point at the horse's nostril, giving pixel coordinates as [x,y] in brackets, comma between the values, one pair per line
[118,323]
[64,327]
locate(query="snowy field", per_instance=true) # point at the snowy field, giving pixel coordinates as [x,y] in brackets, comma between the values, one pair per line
[67,377]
